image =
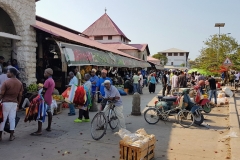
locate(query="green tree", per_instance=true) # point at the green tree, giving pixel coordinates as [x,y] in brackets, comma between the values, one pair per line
[228,47]
[182,65]
[191,63]
[161,57]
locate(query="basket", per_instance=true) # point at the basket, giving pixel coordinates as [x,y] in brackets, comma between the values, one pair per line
[146,152]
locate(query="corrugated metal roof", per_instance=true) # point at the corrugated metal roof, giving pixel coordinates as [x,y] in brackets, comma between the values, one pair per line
[104,26]
[79,39]
[120,46]
[172,50]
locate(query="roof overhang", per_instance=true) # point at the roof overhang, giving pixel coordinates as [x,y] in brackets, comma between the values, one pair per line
[10,36]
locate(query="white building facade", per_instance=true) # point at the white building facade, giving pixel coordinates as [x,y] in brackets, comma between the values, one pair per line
[176,57]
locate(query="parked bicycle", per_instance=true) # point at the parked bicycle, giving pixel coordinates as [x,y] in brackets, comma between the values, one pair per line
[100,121]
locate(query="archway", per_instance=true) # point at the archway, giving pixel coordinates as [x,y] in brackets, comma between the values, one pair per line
[7,45]
[24,46]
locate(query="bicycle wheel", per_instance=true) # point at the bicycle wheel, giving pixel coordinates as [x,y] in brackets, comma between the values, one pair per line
[98,126]
[185,118]
[151,116]
[113,119]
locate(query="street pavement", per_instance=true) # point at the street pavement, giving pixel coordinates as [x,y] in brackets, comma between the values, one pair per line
[69,140]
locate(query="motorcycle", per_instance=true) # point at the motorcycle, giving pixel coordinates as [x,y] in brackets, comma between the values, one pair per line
[168,103]
[200,100]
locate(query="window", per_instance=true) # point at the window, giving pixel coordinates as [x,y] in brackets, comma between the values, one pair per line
[164,54]
[169,54]
[172,63]
[181,54]
[175,54]
[109,37]
[98,38]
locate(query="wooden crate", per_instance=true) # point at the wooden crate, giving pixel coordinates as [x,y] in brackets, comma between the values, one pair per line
[58,110]
[146,152]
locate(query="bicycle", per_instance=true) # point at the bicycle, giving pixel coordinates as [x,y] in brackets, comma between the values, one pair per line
[100,122]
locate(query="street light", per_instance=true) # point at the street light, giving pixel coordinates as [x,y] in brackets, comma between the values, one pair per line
[219,25]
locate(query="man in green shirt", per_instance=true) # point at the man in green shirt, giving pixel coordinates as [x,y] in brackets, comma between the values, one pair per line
[136,80]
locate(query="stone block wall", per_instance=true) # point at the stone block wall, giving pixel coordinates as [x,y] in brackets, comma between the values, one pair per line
[22,13]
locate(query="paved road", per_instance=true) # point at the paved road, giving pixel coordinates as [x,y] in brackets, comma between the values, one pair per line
[69,140]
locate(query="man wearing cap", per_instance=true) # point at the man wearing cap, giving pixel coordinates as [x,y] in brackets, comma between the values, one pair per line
[100,84]
[112,93]
[47,91]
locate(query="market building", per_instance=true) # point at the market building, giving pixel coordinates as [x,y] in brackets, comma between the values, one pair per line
[37,43]
[105,31]
[17,37]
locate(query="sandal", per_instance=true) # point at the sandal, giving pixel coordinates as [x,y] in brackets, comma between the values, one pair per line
[48,129]
[12,138]
[36,134]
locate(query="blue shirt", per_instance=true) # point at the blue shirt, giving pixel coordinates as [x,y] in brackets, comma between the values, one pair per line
[153,80]
[113,92]
[94,86]
[74,81]
[100,84]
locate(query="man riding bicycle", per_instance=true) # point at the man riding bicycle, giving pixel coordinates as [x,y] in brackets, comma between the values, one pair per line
[112,94]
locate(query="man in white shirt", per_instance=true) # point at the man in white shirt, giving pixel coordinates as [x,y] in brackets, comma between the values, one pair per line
[140,82]
[196,77]
[174,82]
[237,77]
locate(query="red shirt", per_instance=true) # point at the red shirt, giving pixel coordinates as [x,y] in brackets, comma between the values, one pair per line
[49,85]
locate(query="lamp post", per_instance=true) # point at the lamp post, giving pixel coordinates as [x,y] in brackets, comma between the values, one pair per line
[219,25]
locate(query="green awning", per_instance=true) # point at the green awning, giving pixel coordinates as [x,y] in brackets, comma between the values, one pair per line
[77,55]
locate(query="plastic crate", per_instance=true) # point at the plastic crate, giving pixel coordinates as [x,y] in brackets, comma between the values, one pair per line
[146,152]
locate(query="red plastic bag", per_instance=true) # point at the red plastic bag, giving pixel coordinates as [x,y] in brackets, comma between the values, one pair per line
[65,94]
[79,98]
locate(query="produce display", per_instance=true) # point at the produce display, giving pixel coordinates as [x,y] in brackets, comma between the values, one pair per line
[32,88]
[58,97]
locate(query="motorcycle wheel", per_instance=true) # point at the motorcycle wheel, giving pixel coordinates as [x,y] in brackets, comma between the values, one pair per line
[207,108]
[198,119]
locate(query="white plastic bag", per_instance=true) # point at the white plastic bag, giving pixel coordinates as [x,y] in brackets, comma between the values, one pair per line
[227,91]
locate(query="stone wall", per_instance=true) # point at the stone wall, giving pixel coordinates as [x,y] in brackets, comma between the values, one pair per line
[22,13]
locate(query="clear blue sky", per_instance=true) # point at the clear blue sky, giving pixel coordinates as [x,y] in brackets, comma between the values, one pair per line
[163,24]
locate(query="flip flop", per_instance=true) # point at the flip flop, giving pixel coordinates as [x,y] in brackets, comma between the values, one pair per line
[12,138]
[36,134]
[49,130]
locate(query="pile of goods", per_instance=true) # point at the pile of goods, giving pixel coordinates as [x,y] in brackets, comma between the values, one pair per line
[32,88]
[58,97]
[137,139]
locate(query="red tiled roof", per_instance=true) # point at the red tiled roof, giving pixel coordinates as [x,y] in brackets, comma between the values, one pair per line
[104,26]
[141,47]
[120,46]
[58,32]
